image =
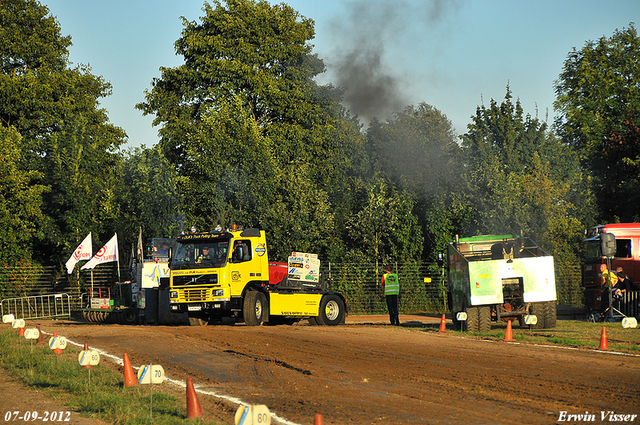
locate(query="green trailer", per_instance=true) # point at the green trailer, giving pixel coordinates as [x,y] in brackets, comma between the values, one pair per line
[498,278]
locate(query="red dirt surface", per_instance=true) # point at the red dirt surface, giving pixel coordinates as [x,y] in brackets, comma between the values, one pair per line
[367,372]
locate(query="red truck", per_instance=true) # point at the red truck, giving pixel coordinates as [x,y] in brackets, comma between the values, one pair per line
[617,245]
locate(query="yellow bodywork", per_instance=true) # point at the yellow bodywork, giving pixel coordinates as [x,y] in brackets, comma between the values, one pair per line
[294,304]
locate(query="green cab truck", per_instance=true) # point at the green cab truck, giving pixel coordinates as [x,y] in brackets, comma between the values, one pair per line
[499,278]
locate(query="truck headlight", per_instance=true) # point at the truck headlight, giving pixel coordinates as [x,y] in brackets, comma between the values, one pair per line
[173,294]
[217,293]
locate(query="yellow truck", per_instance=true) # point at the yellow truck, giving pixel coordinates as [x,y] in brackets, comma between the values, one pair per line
[227,274]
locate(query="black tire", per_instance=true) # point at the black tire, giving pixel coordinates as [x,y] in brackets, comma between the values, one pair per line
[331,311]
[472,319]
[537,309]
[313,321]
[197,321]
[254,308]
[550,315]
[129,316]
[484,318]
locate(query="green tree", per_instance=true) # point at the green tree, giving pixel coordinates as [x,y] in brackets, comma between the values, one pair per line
[520,177]
[20,201]
[248,129]
[418,151]
[148,197]
[384,228]
[66,136]
[598,99]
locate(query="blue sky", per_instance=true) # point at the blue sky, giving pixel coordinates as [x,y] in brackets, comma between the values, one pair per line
[452,54]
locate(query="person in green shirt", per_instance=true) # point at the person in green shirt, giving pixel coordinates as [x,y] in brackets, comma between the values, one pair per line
[391,288]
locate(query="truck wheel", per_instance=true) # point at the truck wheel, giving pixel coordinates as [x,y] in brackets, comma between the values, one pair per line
[331,311]
[472,319]
[550,314]
[129,316]
[255,305]
[537,309]
[313,321]
[197,321]
[484,318]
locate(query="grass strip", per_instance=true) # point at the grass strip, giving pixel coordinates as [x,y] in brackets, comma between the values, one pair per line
[105,397]
[570,333]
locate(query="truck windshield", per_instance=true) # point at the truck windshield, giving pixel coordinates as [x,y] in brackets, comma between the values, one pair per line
[592,251]
[196,254]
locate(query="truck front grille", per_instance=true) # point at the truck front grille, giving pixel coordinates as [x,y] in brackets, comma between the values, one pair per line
[192,295]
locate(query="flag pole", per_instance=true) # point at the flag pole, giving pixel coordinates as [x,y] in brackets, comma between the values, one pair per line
[118,257]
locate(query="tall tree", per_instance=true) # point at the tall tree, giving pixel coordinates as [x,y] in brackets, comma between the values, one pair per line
[65,134]
[247,127]
[519,175]
[384,227]
[418,151]
[147,197]
[20,201]
[598,98]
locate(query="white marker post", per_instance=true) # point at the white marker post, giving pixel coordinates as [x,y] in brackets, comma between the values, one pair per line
[17,323]
[530,319]
[151,374]
[57,343]
[89,358]
[31,334]
[256,414]
[629,322]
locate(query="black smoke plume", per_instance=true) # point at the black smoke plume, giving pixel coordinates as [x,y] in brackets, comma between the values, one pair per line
[359,64]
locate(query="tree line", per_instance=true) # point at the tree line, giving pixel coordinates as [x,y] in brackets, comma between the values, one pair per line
[247,136]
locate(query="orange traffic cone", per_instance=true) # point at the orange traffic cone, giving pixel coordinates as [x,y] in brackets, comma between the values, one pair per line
[317,420]
[129,377]
[41,340]
[604,344]
[443,325]
[193,405]
[21,331]
[508,334]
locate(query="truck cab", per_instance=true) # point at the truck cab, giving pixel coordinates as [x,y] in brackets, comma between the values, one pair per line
[227,273]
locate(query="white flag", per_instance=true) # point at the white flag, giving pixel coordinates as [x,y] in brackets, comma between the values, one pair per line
[108,253]
[82,252]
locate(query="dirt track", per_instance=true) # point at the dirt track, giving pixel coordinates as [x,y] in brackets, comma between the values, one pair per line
[371,373]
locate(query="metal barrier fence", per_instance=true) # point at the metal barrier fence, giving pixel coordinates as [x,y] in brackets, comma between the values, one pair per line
[37,307]
[627,303]
[423,285]
[29,281]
